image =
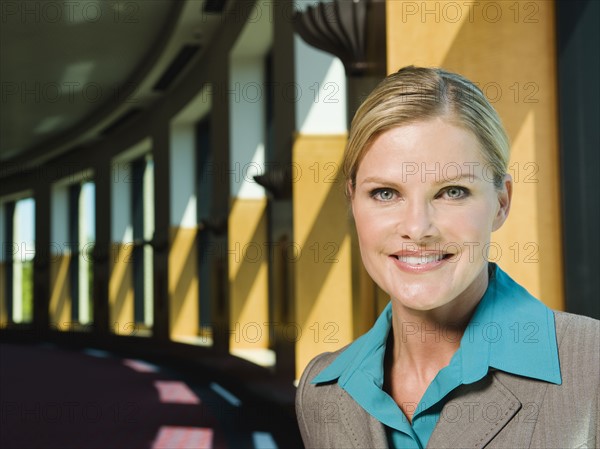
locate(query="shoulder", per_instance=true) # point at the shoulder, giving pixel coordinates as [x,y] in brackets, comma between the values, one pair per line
[577,335]
[315,366]
[578,340]
[313,401]
[320,362]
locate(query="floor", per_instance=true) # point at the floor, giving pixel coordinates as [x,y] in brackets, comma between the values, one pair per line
[53,397]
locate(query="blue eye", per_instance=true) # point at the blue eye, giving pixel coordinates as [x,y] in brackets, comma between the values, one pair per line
[455,192]
[383,194]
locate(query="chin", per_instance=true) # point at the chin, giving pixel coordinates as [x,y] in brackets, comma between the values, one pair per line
[422,297]
[422,304]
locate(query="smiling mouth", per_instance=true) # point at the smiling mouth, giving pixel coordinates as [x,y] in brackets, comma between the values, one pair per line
[421,259]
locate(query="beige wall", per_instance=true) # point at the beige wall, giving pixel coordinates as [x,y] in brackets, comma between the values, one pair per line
[322,255]
[60,293]
[120,287]
[183,283]
[3,304]
[248,275]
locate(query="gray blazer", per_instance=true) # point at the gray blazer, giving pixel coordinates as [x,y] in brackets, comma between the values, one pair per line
[500,411]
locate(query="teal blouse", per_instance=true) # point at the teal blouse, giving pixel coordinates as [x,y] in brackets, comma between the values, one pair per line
[510,331]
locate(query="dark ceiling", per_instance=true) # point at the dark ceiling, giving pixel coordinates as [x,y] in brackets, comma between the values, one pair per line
[69,69]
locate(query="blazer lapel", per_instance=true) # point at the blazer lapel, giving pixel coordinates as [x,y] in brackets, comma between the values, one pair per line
[364,430]
[474,415]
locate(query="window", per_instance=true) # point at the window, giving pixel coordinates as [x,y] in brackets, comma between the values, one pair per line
[204,181]
[142,209]
[82,237]
[131,285]
[73,234]
[18,254]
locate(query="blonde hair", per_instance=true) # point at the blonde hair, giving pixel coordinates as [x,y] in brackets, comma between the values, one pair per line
[415,94]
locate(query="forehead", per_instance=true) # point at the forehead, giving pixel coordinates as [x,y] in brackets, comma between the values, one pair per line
[432,143]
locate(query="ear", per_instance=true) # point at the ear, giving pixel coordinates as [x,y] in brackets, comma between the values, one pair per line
[350,195]
[349,189]
[504,201]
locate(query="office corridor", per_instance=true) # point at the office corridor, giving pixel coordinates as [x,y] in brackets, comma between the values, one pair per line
[61,398]
[176,242]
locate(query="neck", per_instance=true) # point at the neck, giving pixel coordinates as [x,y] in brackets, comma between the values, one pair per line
[424,341]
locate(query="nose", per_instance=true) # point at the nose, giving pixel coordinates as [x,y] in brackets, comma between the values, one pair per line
[416,223]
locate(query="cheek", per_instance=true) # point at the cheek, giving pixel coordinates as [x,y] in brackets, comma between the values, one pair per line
[480,224]
[371,229]
[483,219]
[362,217]
[366,227]
[466,225]
[370,221]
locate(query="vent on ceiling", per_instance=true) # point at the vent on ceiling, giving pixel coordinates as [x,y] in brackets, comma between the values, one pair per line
[184,56]
[214,6]
[125,117]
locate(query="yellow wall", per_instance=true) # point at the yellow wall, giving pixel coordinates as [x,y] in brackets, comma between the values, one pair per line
[183,283]
[508,49]
[248,275]
[323,266]
[3,304]
[120,287]
[60,296]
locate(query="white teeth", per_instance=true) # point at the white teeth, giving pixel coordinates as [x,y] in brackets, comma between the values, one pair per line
[420,260]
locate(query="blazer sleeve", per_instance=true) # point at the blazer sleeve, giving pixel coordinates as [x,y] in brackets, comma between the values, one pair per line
[579,395]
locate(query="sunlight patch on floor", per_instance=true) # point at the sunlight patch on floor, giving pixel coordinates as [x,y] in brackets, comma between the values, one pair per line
[173,437]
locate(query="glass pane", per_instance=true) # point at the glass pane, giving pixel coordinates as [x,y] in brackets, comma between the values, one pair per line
[87,237]
[24,237]
[148,235]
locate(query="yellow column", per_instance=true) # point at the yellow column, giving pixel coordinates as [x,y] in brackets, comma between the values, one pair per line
[3,309]
[248,279]
[508,49]
[183,284]
[60,296]
[321,248]
[120,287]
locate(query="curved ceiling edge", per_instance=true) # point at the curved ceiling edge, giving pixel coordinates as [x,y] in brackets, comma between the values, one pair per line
[187,26]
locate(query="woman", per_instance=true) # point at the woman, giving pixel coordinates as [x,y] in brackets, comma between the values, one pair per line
[463,356]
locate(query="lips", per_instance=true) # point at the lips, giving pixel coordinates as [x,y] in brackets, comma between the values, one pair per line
[420,261]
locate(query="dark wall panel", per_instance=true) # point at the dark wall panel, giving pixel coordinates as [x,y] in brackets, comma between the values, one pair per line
[578,31]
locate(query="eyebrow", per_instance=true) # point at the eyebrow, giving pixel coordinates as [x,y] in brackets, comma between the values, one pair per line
[470,176]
